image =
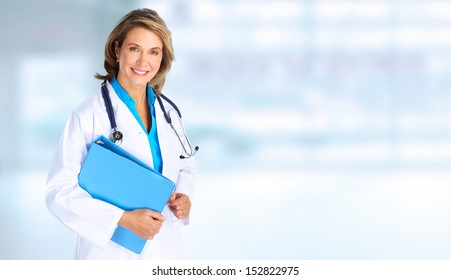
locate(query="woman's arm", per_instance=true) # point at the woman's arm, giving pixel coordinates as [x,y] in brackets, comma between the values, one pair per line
[89,218]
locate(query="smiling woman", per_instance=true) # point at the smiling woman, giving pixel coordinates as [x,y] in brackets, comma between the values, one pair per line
[138,55]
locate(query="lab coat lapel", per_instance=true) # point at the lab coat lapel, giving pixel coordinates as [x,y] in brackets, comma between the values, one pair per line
[162,127]
[122,110]
[134,136]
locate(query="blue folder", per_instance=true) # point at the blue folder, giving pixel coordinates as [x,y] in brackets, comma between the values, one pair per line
[111,174]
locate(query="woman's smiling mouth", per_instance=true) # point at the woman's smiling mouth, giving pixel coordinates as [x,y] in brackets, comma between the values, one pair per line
[140,72]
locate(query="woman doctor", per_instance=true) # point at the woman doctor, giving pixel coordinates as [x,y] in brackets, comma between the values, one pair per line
[138,55]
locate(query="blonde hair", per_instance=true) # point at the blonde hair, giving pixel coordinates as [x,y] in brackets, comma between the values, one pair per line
[150,20]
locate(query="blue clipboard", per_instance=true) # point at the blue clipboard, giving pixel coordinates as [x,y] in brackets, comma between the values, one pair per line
[111,174]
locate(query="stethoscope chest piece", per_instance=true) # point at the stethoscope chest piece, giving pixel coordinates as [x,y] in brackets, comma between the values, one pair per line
[116,136]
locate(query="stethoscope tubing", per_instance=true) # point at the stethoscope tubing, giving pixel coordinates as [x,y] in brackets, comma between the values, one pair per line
[117,136]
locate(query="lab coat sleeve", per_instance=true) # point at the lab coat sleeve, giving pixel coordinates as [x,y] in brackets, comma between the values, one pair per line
[89,218]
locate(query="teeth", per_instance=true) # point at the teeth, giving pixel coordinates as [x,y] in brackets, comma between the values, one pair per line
[140,72]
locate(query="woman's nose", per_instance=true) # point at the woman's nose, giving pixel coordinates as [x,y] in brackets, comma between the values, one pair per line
[143,59]
[139,60]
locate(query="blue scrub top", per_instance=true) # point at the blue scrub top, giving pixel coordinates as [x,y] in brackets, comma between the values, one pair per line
[152,135]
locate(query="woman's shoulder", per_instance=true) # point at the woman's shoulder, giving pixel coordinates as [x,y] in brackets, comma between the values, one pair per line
[90,104]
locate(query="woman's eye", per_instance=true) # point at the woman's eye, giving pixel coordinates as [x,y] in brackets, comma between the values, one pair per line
[134,49]
[155,52]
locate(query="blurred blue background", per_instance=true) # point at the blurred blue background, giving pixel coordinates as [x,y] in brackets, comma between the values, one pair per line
[324,126]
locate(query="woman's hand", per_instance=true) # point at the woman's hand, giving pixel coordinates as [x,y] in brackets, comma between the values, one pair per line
[180,205]
[143,222]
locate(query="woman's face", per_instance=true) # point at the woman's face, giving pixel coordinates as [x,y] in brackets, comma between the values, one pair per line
[139,58]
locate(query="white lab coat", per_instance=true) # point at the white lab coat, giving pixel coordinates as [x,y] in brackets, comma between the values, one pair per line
[94,221]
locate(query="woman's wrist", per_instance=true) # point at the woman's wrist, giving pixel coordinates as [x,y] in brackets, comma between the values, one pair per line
[124,221]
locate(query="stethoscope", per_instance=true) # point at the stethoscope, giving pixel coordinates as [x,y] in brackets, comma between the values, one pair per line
[116,136]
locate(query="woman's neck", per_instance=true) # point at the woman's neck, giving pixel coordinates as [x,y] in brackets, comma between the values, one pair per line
[138,93]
